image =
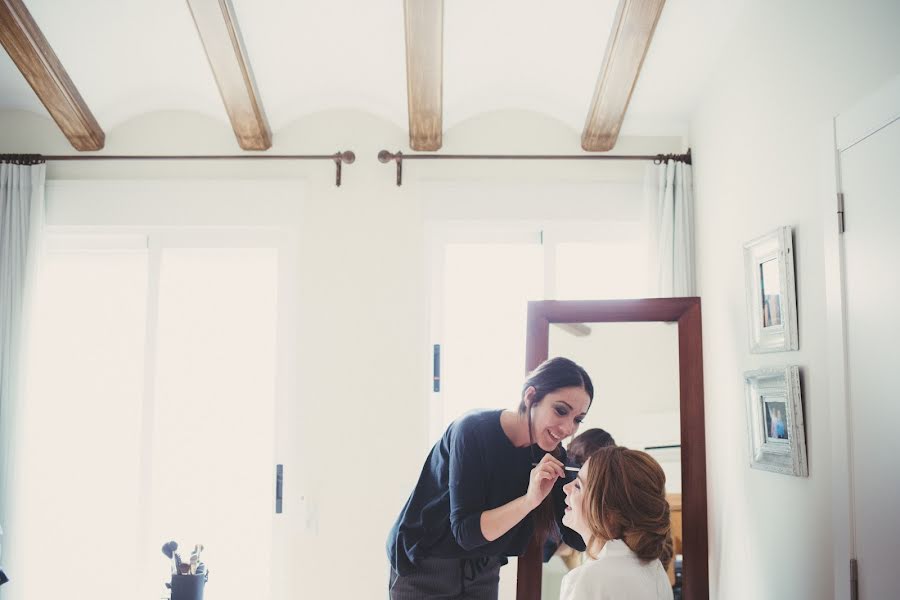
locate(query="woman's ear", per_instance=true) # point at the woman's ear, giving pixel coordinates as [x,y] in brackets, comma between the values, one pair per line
[528,396]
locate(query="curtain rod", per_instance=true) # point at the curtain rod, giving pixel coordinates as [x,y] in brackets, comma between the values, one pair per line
[339,158]
[386,156]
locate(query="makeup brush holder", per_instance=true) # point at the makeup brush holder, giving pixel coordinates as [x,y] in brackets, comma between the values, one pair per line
[188,587]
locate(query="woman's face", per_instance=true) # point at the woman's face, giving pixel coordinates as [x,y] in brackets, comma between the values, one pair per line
[574,516]
[557,415]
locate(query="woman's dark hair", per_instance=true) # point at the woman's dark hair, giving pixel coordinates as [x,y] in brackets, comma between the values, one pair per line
[625,498]
[551,375]
[554,374]
[586,443]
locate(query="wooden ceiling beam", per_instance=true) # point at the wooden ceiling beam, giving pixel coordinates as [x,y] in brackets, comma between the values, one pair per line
[218,28]
[628,43]
[424,21]
[34,57]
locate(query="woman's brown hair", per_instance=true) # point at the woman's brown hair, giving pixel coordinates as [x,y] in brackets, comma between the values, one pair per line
[625,498]
[586,443]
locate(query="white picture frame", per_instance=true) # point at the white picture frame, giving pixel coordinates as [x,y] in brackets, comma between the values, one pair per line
[771,293]
[775,421]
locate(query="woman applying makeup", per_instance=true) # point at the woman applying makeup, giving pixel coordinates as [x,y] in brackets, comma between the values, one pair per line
[480,499]
[618,505]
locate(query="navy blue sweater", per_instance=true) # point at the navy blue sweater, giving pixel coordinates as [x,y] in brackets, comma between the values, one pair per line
[473,468]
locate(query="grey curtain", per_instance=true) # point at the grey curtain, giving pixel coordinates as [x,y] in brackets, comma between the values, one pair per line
[668,189]
[21,223]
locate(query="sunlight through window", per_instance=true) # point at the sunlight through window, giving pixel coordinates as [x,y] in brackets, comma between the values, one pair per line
[81,449]
[214,441]
[111,339]
[487,289]
[600,270]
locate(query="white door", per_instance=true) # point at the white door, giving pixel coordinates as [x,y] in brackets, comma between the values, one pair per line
[871,186]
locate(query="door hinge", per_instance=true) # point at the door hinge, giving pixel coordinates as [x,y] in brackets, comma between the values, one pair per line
[854,580]
[840,211]
[436,369]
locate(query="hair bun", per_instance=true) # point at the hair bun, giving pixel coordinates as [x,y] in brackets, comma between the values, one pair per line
[651,546]
[627,500]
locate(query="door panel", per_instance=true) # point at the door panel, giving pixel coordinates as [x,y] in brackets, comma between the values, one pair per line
[871,185]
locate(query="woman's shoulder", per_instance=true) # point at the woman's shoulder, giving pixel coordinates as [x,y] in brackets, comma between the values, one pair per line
[477,431]
[475,421]
[596,570]
[616,574]
[587,582]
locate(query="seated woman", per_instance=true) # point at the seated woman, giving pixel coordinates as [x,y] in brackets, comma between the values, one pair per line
[580,448]
[618,506]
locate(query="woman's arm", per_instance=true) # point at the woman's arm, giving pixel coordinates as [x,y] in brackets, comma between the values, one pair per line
[467,483]
[471,525]
[497,521]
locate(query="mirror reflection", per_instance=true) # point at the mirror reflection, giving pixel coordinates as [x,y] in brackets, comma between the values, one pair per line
[634,367]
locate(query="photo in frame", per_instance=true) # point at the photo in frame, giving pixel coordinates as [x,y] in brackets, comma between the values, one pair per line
[771,294]
[775,421]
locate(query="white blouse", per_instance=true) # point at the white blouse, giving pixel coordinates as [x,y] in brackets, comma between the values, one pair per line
[617,574]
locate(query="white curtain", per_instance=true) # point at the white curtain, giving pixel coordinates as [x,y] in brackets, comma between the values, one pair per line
[668,192]
[21,223]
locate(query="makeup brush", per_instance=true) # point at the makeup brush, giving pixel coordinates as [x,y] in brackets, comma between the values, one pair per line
[195,558]
[183,567]
[169,549]
[572,469]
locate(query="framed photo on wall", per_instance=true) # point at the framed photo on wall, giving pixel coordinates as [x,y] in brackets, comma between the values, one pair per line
[771,295]
[775,420]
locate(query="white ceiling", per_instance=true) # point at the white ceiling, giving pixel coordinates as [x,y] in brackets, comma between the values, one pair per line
[129,57]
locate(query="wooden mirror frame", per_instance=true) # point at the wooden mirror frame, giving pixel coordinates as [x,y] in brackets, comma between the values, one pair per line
[686,312]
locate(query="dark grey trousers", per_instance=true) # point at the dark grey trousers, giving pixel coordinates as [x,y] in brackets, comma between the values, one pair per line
[448,578]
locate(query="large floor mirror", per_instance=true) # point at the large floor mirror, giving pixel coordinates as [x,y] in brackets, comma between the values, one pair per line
[645,358]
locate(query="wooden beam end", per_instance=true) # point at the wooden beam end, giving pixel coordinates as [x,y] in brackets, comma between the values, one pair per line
[603,143]
[261,141]
[88,143]
[426,144]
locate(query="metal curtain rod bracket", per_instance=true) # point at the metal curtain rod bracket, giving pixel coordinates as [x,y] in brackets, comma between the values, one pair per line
[339,158]
[385,156]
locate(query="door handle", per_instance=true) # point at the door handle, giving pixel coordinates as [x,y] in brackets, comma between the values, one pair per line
[279,487]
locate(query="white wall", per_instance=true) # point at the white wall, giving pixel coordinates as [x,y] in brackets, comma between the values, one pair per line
[360,410]
[791,66]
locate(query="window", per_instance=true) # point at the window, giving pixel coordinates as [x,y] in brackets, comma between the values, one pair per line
[600,270]
[486,292]
[213,426]
[81,442]
[482,280]
[150,414]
